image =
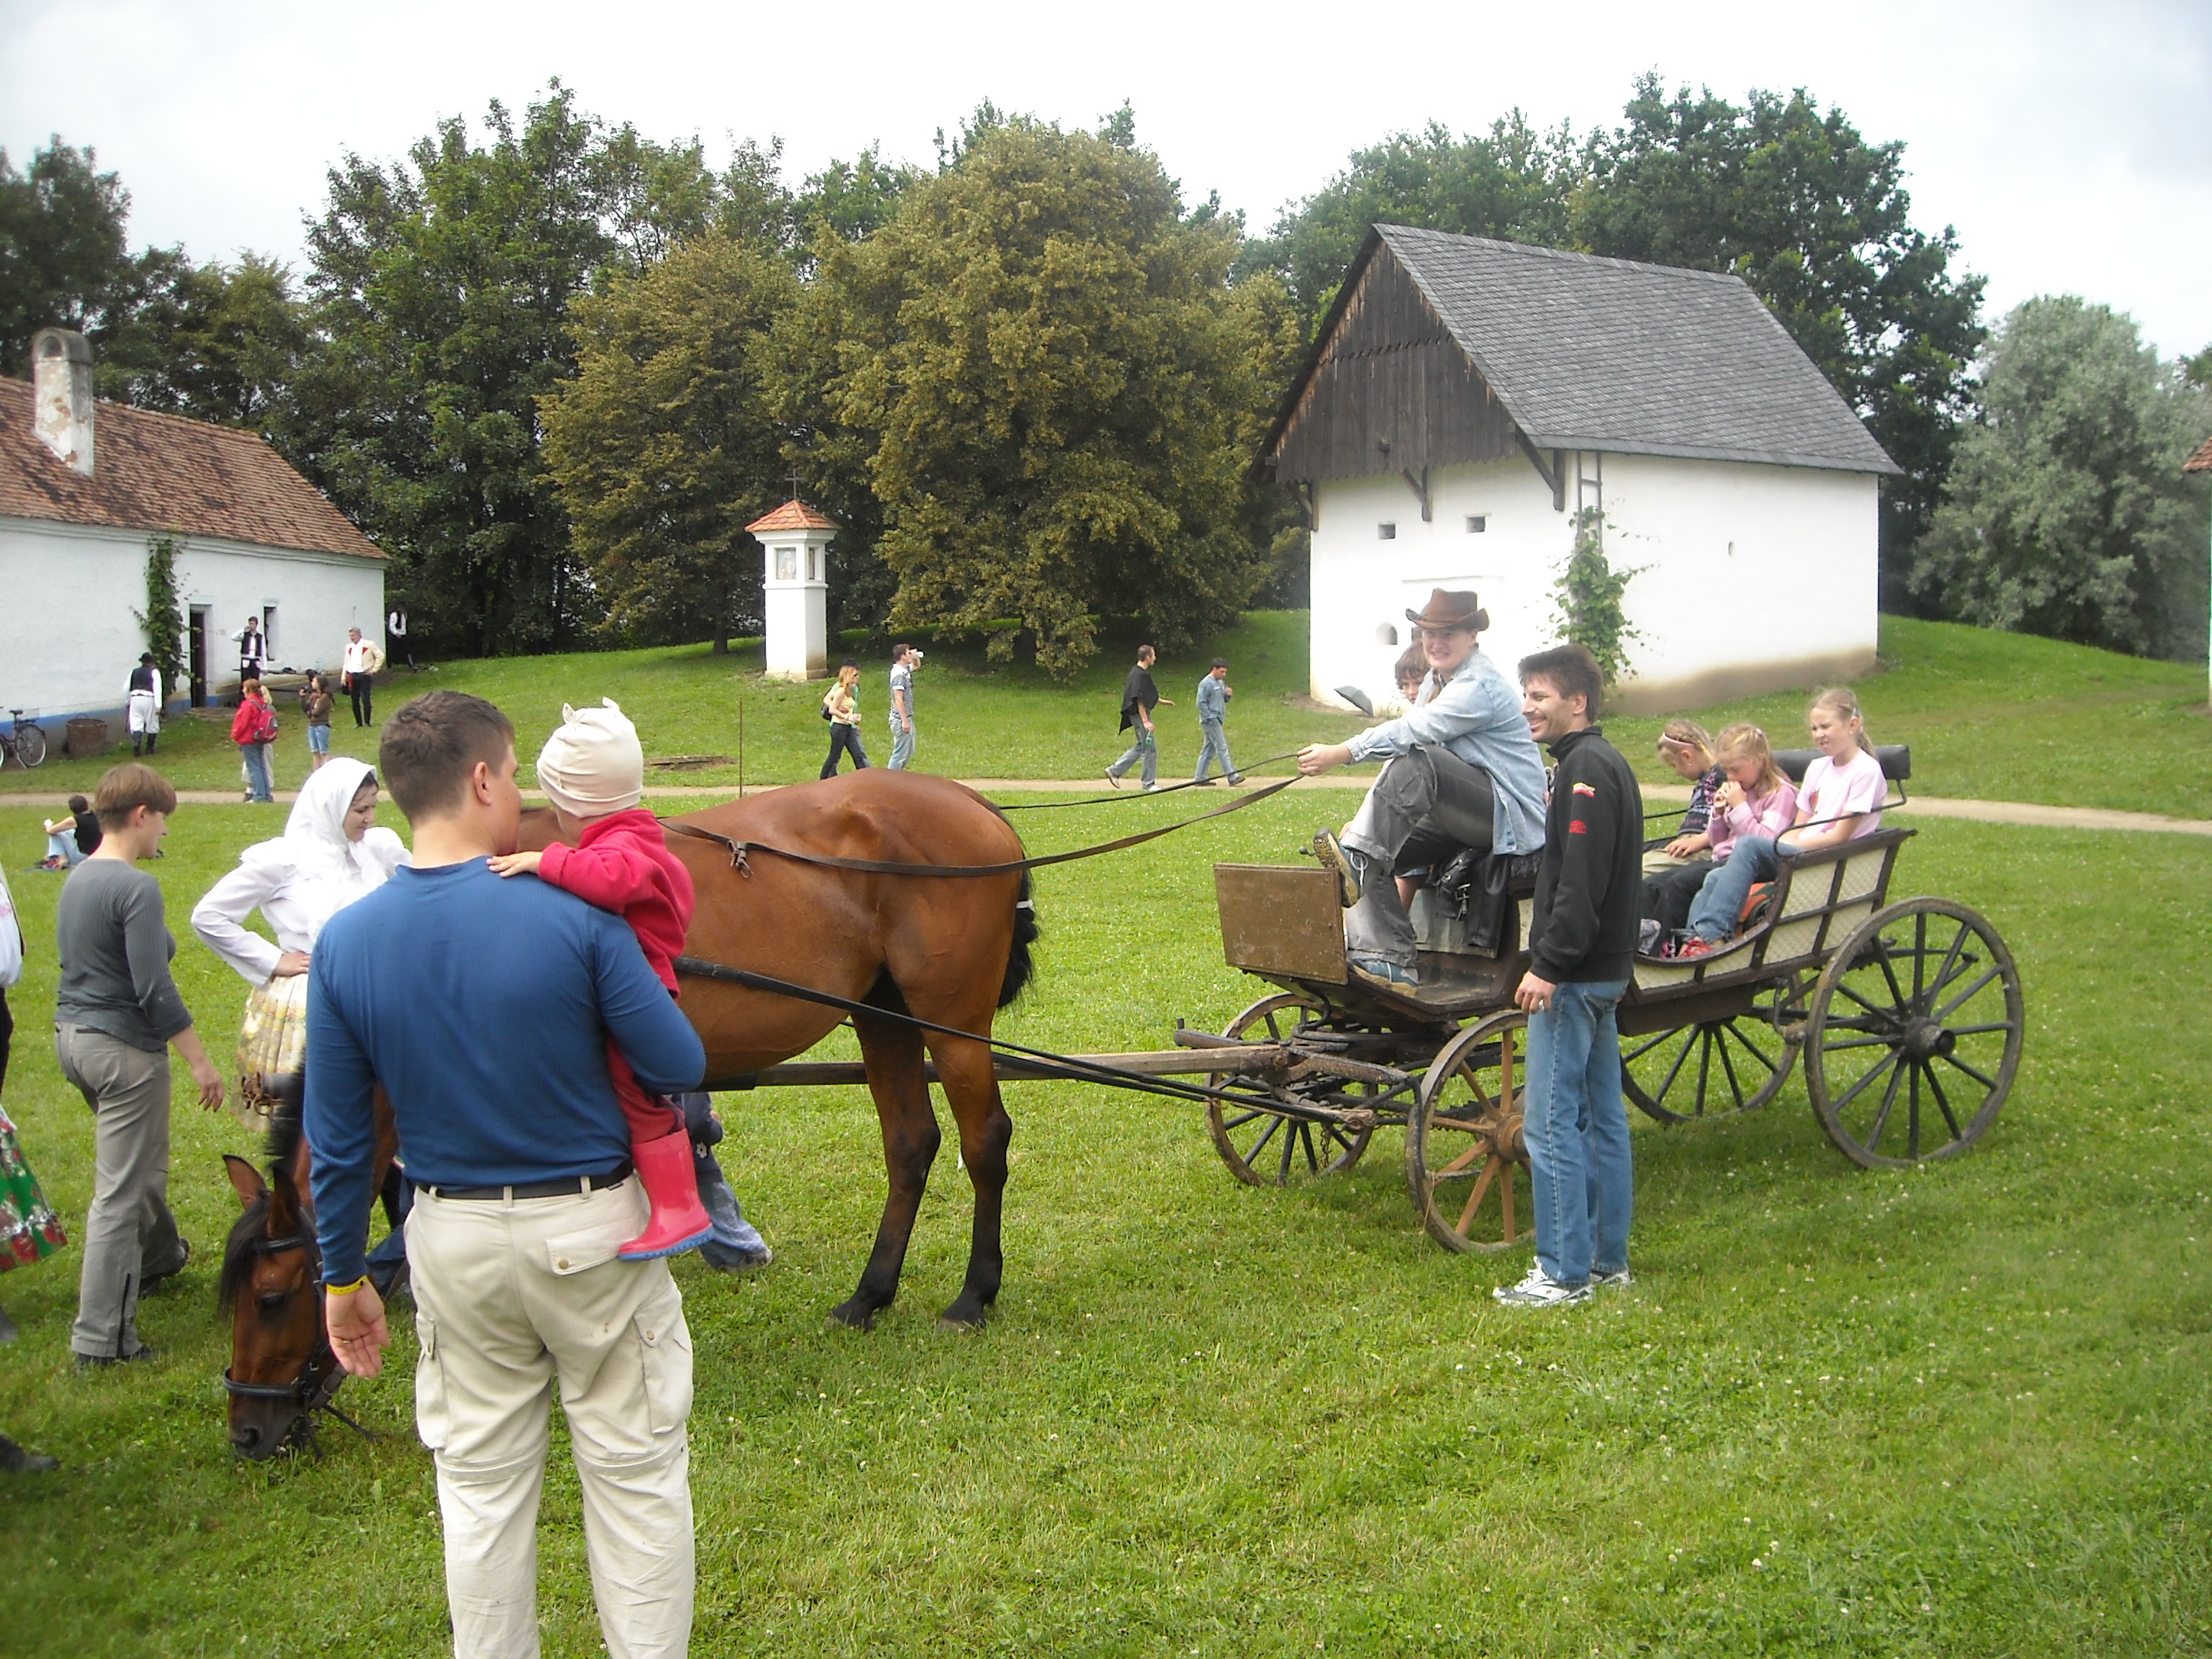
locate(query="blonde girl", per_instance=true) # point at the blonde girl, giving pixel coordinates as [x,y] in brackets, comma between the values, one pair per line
[1687,750]
[841,703]
[1839,800]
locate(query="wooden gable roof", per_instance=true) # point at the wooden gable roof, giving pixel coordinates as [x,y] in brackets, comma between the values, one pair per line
[1444,349]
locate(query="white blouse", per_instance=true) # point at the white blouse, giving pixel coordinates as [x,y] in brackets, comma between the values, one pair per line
[295,902]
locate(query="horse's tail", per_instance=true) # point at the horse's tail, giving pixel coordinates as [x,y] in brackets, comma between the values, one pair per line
[1019,966]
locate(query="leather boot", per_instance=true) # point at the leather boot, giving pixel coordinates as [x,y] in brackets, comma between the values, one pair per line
[680,1222]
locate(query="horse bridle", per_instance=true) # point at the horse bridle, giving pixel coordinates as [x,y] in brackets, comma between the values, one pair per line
[320,1375]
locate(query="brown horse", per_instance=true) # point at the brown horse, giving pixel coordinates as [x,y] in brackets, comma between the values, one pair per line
[281,1365]
[950,950]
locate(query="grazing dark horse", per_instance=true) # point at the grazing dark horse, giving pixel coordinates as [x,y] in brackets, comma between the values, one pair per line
[950,950]
[281,1365]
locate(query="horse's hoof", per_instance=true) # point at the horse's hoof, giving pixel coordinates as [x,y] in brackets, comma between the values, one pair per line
[963,1315]
[855,1314]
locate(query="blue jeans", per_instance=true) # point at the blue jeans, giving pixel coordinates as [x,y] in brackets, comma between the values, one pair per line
[64,846]
[319,739]
[1147,748]
[1213,743]
[257,769]
[1720,900]
[1580,1174]
[902,745]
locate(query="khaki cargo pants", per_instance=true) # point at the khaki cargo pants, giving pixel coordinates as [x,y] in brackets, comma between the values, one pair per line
[512,1295]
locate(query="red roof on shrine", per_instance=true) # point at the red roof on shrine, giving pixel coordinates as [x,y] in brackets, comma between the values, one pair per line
[793,514]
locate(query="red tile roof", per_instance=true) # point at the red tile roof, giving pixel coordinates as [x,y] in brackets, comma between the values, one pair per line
[794,515]
[2201,461]
[154,472]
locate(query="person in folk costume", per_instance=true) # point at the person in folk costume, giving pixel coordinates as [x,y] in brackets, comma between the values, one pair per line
[253,649]
[144,706]
[331,853]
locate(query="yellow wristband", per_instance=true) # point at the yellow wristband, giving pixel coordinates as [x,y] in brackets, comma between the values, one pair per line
[346,1290]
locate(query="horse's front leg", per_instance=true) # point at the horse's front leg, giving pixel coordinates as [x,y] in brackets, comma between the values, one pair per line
[893,1056]
[971,1084]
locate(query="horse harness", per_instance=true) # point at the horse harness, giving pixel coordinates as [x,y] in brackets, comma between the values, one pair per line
[320,1375]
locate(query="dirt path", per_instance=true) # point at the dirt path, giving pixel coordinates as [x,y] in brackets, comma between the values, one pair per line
[1982,811]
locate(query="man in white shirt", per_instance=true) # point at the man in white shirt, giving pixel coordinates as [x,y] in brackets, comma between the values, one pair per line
[362,659]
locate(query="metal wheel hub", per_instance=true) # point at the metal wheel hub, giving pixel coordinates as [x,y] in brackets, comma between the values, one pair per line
[1925,1039]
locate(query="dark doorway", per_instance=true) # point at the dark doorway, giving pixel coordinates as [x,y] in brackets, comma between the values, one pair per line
[196,663]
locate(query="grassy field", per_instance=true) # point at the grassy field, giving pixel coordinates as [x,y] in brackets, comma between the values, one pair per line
[1998,716]
[1962,1410]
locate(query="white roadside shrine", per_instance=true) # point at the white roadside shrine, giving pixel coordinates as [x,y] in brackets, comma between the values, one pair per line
[795,589]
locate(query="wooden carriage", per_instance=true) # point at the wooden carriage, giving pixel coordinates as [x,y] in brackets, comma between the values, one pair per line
[1908,1016]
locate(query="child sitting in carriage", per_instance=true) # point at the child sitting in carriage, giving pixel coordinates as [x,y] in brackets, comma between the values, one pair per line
[1754,797]
[592,769]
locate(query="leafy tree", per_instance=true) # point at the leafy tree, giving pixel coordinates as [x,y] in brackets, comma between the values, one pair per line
[1588,595]
[1031,355]
[2067,513]
[440,288]
[663,448]
[1818,220]
[1512,182]
[64,254]
[213,343]
[1273,338]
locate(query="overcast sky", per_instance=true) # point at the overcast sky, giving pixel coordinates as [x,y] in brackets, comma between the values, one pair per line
[2070,144]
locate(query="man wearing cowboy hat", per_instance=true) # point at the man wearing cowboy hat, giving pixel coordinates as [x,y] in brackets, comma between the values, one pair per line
[1463,772]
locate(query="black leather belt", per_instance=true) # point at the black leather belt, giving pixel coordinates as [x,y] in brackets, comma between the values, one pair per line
[567,1187]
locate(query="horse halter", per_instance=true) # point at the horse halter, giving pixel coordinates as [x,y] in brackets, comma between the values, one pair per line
[321,1374]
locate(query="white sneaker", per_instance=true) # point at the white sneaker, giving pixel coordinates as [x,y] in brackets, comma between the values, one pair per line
[1152,789]
[1540,1290]
[1617,1280]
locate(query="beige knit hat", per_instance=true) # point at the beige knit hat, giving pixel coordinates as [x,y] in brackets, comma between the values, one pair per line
[593,764]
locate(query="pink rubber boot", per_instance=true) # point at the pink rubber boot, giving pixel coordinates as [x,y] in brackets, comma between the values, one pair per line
[679,1222]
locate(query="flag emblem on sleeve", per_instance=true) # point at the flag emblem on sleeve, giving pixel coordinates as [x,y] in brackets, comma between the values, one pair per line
[1585,789]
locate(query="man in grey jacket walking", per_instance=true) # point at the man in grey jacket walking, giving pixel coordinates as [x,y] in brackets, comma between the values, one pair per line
[1213,696]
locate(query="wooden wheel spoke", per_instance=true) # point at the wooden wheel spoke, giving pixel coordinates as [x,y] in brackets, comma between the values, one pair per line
[1667,1086]
[1887,1015]
[1290,1149]
[1979,1030]
[1735,1029]
[1638,1052]
[1266,1135]
[1239,1122]
[1919,956]
[1973,1072]
[1942,1100]
[1889,975]
[1865,1077]
[1968,994]
[1950,961]
[1728,1066]
[1888,1101]
[1480,1190]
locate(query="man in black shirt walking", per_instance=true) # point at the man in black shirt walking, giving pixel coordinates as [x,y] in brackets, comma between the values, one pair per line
[1581,947]
[1139,696]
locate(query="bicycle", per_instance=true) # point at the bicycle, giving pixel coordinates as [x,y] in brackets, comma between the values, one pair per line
[26,742]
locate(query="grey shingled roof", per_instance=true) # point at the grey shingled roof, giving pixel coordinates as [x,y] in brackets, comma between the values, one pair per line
[1589,353]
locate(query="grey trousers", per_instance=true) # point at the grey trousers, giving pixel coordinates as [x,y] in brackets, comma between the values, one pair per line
[1425,805]
[129,1232]
[1213,745]
[902,745]
[1145,749]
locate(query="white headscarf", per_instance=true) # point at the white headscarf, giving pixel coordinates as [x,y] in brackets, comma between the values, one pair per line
[315,834]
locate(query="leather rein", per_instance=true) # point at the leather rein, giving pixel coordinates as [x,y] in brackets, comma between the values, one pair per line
[741,851]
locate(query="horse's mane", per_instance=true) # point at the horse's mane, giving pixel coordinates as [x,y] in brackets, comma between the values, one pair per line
[285,1130]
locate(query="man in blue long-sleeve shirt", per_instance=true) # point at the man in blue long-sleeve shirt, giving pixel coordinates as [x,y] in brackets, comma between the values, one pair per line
[1213,696]
[485,1007]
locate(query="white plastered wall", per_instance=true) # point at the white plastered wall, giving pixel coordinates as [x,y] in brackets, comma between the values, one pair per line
[70,596]
[1755,578]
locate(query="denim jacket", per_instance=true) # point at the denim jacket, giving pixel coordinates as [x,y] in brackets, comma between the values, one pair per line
[1478,717]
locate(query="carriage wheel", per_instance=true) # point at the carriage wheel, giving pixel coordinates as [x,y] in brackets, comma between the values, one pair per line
[1718,1066]
[1266,1149]
[1464,1139]
[1914,1034]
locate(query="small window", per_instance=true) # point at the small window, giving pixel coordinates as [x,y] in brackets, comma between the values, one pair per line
[1386,532]
[786,564]
[1477,523]
[812,556]
[1386,635]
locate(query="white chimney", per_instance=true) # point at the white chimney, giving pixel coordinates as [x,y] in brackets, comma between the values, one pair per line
[61,379]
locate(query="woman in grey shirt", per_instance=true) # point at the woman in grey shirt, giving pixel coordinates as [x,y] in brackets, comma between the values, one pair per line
[117,1016]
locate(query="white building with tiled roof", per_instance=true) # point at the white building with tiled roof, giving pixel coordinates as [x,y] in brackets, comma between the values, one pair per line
[84,485]
[1466,399]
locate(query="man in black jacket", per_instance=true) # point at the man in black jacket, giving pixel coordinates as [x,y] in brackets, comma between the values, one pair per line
[1582,946]
[1139,696]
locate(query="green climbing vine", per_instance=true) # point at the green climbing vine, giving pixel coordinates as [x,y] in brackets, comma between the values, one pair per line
[1588,597]
[163,620]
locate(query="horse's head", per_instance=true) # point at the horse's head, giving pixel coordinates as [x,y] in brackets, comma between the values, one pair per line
[280,1356]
